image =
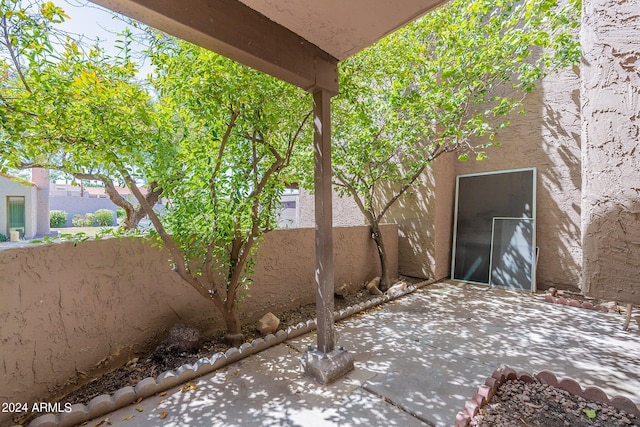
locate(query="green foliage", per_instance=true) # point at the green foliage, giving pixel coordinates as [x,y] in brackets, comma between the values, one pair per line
[224,171]
[69,107]
[120,213]
[3,238]
[58,219]
[104,217]
[86,220]
[444,83]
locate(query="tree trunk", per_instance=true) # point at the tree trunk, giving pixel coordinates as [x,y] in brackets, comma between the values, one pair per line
[385,280]
[233,336]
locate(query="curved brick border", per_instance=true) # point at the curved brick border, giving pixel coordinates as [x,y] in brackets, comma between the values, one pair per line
[104,404]
[556,297]
[487,390]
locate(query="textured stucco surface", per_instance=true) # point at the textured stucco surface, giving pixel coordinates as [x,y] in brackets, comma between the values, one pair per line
[67,309]
[345,211]
[610,94]
[547,138]
[425,216]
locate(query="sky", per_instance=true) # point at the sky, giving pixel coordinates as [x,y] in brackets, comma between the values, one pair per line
[93,22]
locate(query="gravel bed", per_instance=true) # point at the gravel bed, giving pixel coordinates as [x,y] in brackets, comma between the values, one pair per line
[517,403]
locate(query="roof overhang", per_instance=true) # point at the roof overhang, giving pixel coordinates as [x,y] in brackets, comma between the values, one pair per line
[299,41]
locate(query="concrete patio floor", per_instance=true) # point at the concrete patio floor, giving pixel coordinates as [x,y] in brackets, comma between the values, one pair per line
[418,360]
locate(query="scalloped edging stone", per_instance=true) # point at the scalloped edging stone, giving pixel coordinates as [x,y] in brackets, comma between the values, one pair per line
[553,296]
[104,404]
[487,390]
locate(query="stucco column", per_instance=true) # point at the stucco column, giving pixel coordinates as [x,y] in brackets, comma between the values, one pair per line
[610,98]
[40,177]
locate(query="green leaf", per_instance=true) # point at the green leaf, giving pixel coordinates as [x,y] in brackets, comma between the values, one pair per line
[590,413]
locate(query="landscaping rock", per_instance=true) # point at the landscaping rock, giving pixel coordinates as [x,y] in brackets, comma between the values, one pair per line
[373,288]
[268,324]
[180,339]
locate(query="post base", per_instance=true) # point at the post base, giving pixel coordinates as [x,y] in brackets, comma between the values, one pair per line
[326,367]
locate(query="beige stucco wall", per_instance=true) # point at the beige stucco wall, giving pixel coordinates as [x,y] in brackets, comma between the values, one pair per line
[9,187]
[66,309]
[345,211]
[547,138]
[425,216]
[611,154]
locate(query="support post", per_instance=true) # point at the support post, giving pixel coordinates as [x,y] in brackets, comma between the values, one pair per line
[324,363]
[324,221]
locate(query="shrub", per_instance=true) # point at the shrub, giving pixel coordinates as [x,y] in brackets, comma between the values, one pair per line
[86,220]
[104,217]
[3,238]
[57,219]
[120,213]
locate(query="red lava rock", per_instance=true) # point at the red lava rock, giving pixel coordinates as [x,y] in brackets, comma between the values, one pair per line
[550,298]
[587,305]
[561,300]
[574,303]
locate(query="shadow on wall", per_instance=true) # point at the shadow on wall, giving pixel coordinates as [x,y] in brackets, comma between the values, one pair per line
[548,138]
[611,239]
[424,218]
[67,308]
[560,192]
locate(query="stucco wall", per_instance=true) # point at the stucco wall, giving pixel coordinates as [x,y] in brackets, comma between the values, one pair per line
[548,138]
[345,211]
[425,216]
[67,309]
[611,157]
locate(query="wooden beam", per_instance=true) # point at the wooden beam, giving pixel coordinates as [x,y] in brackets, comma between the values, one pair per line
[236,31]
[324,221]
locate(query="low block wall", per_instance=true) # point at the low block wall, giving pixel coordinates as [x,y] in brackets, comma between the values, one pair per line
[68,309]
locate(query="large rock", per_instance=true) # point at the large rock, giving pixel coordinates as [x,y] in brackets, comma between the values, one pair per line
[373,288]
[268,324]
[346,289]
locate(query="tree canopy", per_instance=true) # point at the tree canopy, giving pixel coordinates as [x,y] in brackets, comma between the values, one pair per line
[444,83]
[70,107]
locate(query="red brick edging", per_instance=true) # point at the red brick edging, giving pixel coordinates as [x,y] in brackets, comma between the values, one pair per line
[487,390]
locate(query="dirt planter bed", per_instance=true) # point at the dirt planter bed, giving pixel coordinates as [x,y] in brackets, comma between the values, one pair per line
[561,403]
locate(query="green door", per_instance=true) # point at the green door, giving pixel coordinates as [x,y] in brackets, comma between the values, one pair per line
[16,214]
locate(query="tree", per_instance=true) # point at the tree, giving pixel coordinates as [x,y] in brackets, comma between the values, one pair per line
[215,138]
[68,107]
[435,86]
[225,173]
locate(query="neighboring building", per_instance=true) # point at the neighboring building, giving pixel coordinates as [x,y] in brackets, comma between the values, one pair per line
[297,205]
[24,205]
[18,207]
[79,200]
